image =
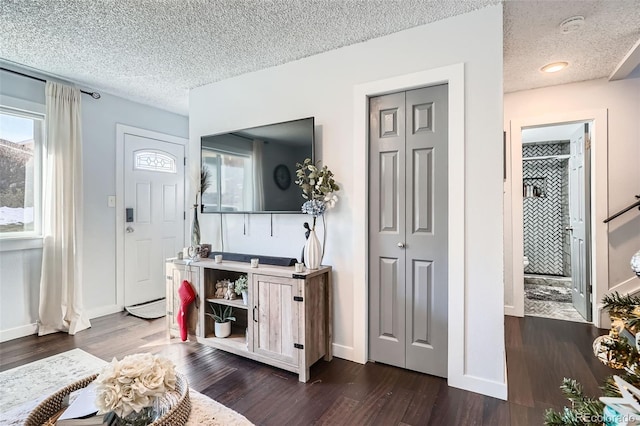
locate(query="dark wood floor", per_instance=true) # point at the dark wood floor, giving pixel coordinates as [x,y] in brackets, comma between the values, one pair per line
[540,352]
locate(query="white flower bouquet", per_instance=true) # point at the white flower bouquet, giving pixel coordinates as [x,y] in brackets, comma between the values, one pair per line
[132,384]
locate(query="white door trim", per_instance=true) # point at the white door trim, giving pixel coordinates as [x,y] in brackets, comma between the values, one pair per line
[599,203]
[453,75]
[121,131]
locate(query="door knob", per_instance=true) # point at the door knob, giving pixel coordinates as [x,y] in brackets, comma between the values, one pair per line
[401,245]
[129,229]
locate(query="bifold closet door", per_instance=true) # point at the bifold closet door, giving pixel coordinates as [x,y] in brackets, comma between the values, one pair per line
[408,229]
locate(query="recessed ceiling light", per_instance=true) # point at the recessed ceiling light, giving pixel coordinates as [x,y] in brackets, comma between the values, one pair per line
[572,24]
[554,67]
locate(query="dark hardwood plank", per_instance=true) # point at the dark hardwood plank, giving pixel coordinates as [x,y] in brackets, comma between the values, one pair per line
[540,352]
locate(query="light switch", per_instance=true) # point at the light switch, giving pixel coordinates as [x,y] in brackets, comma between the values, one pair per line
[111,201]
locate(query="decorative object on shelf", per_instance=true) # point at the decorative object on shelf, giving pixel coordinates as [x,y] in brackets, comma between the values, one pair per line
[282,176]
[635,263]
[187,296]
[222,318]
[205,249]
[221,289]
[204,183]
[131,386]
[218,258]
[195,226]
[241,287]
[299,267]
[318,188]
[193,252]
[312,251]
[230,294]
[254,262]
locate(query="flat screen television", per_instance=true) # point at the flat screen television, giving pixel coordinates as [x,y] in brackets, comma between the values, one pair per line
[254,170]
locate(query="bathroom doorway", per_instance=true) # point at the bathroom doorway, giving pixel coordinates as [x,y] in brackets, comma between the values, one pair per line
[556,215]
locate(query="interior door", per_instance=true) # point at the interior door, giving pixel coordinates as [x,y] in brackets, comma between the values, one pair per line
[154,227]
[408,229]
[579,221]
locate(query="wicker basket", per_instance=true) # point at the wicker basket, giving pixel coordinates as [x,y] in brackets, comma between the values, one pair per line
[176,416]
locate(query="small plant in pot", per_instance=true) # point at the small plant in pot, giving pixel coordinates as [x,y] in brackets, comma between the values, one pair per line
[222,317]
[241,286]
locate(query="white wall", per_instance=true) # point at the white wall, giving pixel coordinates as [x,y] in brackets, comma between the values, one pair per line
[323,86]
[621,99]
[20,269]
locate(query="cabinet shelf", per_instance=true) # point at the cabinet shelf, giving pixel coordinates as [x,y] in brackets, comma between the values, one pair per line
[236,341]
[236,303]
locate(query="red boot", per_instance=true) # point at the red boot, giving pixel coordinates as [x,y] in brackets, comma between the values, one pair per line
[187,295]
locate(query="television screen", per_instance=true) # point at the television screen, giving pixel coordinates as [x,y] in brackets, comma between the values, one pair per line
[253,170]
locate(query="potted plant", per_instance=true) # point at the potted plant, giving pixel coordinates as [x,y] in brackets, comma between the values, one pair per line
[241,286]
[222,318]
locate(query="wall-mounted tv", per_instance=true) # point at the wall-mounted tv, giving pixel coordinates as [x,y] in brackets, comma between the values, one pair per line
[253,170]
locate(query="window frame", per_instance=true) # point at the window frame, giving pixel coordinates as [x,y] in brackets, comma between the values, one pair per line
[28,239]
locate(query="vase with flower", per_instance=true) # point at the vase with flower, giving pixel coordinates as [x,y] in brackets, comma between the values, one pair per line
[318,188]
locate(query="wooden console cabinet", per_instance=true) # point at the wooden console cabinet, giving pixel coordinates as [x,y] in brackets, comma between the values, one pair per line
[286,322]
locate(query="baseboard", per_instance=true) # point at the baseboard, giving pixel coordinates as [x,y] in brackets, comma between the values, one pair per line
[479,385]
[101,311]
[344,352]
[17,332]
[511,311]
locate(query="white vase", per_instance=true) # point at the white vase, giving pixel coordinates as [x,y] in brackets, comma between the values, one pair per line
[312,251]
[245,297]
[222,329]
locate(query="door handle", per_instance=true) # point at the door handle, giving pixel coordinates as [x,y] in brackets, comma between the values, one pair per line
[568,228]
[401,245]
[254,314]
[129,230]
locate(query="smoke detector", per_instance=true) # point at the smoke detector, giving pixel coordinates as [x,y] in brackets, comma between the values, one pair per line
[572,24]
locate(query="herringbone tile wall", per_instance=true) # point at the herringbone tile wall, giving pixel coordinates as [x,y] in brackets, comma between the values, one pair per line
[546,217]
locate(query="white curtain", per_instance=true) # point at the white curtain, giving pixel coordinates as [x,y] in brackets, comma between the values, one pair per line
[258,185]
[61,307]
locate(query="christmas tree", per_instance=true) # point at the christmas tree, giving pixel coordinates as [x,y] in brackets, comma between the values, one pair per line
[619,350]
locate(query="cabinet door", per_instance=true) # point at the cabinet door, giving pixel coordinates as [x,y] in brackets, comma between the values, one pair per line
[275,326]
[176,273]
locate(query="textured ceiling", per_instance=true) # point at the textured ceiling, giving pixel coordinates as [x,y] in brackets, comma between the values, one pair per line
[154,51]
[532,39]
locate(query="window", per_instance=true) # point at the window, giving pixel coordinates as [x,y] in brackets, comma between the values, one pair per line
[154,161]
[21,136]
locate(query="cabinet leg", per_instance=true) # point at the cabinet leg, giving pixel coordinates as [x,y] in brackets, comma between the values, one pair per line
[303,376]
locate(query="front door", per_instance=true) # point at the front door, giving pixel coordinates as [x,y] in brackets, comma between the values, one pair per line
[579,221]
[154,224]
[408,282]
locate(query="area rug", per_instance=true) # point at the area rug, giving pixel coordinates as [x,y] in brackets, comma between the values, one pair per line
[25,386]
[547,293]
[149,310]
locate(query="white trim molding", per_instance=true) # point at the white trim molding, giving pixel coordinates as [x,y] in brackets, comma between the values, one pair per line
[17,332]
[599,203]
[453,75]
[121,131]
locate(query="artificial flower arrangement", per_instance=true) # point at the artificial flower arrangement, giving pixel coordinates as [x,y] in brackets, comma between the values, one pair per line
[318,188]
[132,384]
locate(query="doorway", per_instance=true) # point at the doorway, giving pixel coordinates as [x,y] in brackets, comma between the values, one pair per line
[151,215]
[556,214]
[598,247]
[408,221]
